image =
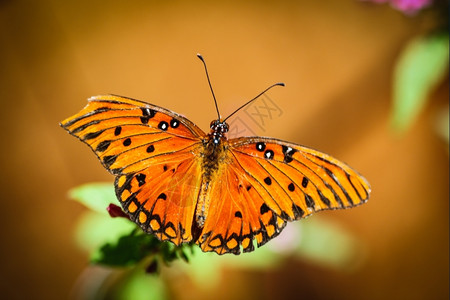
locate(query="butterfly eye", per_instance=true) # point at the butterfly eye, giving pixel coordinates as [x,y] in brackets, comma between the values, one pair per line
[225,127]
[213,124]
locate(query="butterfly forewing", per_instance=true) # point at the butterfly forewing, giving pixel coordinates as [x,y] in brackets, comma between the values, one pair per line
[125,133]
[299,180]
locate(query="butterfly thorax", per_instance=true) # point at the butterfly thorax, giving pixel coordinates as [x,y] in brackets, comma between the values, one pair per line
[214,148]
[214,155]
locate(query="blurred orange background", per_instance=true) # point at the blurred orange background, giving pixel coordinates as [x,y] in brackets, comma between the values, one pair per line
[336,59]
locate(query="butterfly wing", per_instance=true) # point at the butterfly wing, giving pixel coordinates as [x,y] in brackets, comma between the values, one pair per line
[268,182]
[237,214]
[151,150]
[261,184]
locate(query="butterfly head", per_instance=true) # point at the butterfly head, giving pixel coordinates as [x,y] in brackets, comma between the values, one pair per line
[218,130]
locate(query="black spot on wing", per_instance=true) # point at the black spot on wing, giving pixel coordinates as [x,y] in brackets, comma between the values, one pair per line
[174,123]
[117,131]
[326,200]
[268,154]
[284,215]
[102,146]
[127,142]
[310,202]
[260,146]
[109,160]
[141,179]
[147,114]
[84,126]
[93,135]
[305,182]
[298,211]
[264,209]
[163,125]
[288,152]
[291,187]
[116,171]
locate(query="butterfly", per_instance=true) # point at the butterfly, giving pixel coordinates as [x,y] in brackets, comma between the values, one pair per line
[187,186]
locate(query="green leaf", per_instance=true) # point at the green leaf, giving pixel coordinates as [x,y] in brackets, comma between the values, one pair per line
[95,196]
[326,243]
[132,248]
[94,229]
[128,250]
[421,66]
[141,286]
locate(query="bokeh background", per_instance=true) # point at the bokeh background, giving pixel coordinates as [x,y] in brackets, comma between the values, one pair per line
[336,59]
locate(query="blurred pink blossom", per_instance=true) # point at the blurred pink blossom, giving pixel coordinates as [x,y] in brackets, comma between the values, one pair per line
[409,7]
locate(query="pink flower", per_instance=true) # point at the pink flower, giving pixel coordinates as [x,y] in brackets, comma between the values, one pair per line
[408,7]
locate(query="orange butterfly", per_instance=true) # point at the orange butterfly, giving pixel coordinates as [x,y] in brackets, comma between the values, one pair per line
[184,185]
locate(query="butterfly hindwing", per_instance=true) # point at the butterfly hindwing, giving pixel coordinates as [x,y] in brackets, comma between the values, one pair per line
[237,214]
[161,198]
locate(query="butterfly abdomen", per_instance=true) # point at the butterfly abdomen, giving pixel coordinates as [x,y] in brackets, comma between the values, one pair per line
[213,157]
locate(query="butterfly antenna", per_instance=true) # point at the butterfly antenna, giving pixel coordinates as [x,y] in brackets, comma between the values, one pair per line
[209,82]
[279,83]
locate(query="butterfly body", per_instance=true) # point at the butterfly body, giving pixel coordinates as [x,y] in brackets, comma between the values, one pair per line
[213,154]
[183,185]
